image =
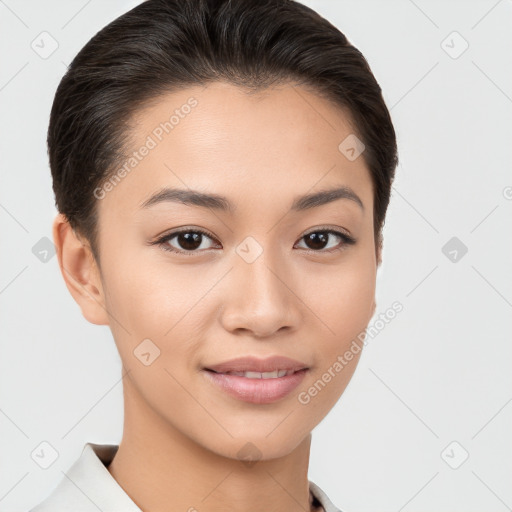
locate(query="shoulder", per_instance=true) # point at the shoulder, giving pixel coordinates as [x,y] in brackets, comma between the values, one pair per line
[322,498]
[88,486]
[66,496]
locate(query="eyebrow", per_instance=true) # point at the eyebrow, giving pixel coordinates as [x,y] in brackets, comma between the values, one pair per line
[222,203]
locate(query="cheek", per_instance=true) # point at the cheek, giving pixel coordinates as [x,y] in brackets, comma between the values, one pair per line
[343,300]
[149,294]
[150,300]
[343,305]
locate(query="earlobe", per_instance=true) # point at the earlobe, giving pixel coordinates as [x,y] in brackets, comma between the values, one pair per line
[80,271]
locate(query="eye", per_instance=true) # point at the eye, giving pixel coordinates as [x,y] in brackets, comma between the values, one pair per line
[317,240]
[187,240]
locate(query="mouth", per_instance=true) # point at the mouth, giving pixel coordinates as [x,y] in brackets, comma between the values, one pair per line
[257,368]
[259,375]
[256,387]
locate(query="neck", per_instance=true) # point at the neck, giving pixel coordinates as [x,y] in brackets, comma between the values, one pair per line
[162,469]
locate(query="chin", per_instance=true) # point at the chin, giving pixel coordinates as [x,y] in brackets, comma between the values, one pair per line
[257,447]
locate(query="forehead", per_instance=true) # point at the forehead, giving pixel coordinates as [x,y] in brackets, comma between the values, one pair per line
[284,141]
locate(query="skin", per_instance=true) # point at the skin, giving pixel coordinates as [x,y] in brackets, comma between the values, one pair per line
[181,434]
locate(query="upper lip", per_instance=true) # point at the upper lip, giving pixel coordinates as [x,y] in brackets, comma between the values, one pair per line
[255,364]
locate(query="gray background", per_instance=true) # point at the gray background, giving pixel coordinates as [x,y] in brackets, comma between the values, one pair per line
[436,376]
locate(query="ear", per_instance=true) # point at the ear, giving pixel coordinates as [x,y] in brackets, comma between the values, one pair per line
[80,271]
[378,257]
[378,249]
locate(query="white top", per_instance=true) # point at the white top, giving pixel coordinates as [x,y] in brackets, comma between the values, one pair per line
[88,486]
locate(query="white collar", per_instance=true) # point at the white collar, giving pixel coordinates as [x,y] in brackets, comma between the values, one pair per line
[88,486]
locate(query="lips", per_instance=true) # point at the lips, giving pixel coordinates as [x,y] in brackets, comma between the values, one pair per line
[260,375]
[255,390]
[256,365]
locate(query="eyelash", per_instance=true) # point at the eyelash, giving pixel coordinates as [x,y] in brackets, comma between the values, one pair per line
[162,241]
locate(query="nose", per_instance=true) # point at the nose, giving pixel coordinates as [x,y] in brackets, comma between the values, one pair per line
[259,298]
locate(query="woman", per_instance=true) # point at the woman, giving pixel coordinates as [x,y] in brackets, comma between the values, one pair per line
[222,171]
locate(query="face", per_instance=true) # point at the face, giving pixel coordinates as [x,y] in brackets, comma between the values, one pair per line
[268,276]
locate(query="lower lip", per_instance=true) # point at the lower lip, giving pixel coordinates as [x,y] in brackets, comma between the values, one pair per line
[256,391]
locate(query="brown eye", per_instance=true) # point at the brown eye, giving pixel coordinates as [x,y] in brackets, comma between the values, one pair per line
[317,241]
[186,241]
[189,241]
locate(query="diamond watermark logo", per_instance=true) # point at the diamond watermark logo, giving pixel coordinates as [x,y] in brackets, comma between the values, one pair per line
[44,249]
[146,352]
[44,455]
[249,250]
[454,45]
[455,455]
[44,45]
[351,147]
[454,249]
